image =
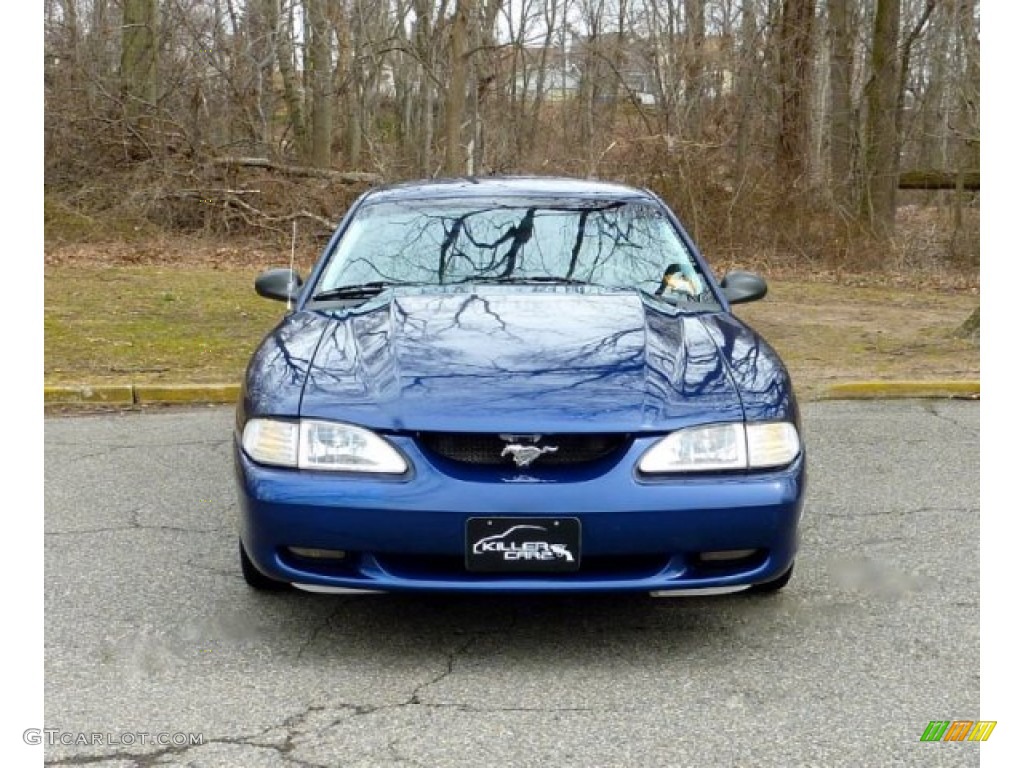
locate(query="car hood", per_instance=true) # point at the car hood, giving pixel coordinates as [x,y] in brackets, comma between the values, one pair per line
[545,360]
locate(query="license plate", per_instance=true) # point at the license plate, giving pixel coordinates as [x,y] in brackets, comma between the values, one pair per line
[522,544]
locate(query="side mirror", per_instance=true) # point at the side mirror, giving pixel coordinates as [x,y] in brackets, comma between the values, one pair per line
[742,286]
[279,284]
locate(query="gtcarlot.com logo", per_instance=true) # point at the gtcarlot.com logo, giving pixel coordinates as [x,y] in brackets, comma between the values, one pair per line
[958,730]
[53,736]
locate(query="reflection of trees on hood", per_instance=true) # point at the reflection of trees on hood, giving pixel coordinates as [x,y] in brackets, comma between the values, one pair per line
[469,302]
[753,365]
[283,360]
[614,354]
[475,349]
[681,356]
[673,354]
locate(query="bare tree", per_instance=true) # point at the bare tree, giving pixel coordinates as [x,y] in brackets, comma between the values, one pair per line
[694,75]
[748,72]
[842,120]
[728,107]
[881,140]
[320,71]
[283,42]
[455,105]
[139,58]
[795,67]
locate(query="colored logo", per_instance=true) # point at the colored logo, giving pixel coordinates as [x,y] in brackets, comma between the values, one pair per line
[958,730]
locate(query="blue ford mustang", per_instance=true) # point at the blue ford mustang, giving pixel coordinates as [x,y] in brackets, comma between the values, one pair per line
[516,385]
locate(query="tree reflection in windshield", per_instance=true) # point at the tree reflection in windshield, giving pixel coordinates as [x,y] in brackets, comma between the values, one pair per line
[441,242]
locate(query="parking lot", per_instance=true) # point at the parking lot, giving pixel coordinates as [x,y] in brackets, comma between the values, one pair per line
[151,630]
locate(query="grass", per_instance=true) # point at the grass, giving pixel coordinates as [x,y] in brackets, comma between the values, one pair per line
[164,323]
[829,333]
[151,324]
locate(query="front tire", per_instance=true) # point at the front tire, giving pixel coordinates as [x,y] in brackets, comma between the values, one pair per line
[774,585]
[255,578]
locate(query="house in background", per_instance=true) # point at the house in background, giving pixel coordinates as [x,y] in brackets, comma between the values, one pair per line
[619,67]
[555,70]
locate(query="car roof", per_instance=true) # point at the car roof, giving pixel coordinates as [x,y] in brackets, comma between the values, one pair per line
[506,186]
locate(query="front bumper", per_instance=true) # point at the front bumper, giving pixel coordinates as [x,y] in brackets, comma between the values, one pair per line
[409,534]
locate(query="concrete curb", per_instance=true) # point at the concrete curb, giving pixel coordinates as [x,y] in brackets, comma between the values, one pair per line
[140,394]
[100,394]
[186,393]
[884,390]
[183,394]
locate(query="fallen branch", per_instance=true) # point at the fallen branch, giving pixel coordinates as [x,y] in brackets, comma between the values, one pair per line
[229,199]
[939,180]
[345,177]
[216,191]
[303,214]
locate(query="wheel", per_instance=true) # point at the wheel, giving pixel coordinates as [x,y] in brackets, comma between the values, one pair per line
[772,586]
[254,578]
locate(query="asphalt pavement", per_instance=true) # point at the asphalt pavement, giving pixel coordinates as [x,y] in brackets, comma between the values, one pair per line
[151,632]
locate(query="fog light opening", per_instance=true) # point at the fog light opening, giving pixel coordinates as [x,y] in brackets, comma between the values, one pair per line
[725,555]
[318,554]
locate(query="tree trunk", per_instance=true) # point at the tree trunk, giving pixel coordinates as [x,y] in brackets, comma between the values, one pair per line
[343,32]
[795,65]
[693,87]
[881,161]
[70,8]
[321,112]
[906,48]
[745,87]
[841,128]
[138,59]
[424,37]
[455,104]
[968,123]
[282,42]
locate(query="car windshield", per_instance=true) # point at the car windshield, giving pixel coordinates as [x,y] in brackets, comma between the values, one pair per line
[613,244]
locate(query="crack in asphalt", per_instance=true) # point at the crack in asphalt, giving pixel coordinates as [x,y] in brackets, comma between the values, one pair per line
[124,528]
[900,512]
[932,409]
[399,758]
[134,524]
[125,446]
[292,726]
[85,456]
[315,633]
[224,572]
[414,698]
[157,758]
[295,727]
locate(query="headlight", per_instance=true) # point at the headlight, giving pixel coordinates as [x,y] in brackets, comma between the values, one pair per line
[324,445]
[775,444]
[272,442]
[723,446]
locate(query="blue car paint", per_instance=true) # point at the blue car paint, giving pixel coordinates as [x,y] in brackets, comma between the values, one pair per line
[494,359]
[426,514]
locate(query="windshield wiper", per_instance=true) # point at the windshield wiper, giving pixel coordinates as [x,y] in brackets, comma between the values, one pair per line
[369,290]
[535,280]
[362,291]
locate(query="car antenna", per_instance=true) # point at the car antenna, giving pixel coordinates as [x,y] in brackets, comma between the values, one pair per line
[291,266]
